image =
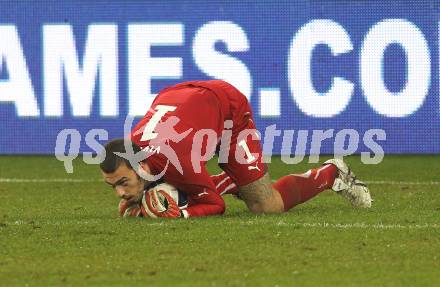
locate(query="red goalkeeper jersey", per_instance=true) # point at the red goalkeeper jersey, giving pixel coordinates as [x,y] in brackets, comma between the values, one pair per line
[183,129]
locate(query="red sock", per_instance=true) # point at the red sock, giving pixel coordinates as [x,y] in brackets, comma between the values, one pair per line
[224,184]
[298,188]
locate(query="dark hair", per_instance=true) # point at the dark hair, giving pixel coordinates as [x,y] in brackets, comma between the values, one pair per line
[112,161]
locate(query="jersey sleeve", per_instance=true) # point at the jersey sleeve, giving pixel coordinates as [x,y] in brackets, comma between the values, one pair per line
[207,202]
[199,189]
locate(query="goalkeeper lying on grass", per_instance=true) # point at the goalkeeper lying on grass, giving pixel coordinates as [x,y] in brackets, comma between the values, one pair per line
[140,198]
[184,127]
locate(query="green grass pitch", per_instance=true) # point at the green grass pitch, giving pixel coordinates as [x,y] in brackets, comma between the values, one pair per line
[68,233]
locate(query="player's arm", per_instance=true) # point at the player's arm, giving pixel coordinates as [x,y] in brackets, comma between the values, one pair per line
[204,202]
[201,201]
[204,205]
[200,191]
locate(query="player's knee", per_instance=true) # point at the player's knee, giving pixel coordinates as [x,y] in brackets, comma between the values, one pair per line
[268,206]
[261,198]
[273,207]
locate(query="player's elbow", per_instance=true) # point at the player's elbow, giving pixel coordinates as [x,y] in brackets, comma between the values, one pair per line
[221,208]
[219,203]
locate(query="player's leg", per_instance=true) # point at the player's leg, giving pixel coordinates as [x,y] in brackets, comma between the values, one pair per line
[294,188]
[254,183]
[245,164]
[261,196]
[298,188]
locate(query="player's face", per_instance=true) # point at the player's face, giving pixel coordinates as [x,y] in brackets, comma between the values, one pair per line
[127,184]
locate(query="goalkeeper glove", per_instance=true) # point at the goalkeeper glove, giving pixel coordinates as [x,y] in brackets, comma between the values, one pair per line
[158,203]
[126,210]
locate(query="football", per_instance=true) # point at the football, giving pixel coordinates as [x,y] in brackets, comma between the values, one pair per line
[159,198]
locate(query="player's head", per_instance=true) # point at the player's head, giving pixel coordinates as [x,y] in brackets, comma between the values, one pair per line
[119,173]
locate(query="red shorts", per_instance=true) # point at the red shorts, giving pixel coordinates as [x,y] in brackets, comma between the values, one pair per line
[243,162]
[207,105]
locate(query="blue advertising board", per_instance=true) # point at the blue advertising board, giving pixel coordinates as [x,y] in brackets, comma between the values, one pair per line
[305,66]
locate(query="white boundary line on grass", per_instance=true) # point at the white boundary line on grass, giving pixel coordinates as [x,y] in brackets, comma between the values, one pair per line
[70,180]
[261,221]
[392,182]
[46,180]
[357,225]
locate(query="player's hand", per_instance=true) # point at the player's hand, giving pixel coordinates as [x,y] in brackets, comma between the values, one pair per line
[158,203]
[126,210]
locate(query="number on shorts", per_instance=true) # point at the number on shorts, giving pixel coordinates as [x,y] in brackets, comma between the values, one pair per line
[249,156]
